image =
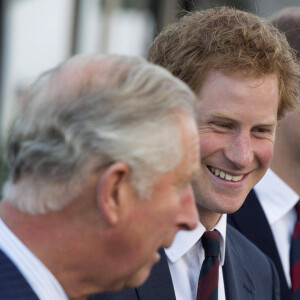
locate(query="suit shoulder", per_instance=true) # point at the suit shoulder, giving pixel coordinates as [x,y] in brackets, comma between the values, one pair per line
[238,240]
[247,252]
[12,283]
[242,245]
[247,261]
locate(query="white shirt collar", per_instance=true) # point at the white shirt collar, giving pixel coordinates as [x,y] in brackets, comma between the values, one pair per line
[41,280]
[185,240]
[276,200]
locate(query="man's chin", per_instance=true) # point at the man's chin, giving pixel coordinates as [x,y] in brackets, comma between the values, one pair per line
[138,279]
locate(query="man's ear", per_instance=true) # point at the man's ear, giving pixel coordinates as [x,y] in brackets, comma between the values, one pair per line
[111,196]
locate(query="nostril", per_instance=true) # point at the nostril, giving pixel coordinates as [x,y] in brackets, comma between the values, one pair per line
[184,227]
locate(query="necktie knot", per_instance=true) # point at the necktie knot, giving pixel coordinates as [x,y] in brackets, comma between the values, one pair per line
[211,243]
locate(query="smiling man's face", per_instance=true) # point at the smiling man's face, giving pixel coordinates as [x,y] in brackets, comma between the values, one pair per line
[237,120]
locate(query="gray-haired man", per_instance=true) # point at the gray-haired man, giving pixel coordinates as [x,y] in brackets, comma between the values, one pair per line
[100,159]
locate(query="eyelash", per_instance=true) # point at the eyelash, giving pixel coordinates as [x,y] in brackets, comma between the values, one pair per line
[258,130]
[222,125]
[263,130]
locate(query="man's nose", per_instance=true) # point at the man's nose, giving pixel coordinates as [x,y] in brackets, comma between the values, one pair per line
[188,213]
[240,152]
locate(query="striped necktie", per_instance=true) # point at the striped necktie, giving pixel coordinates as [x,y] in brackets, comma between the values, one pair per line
[209,274]
[295,257]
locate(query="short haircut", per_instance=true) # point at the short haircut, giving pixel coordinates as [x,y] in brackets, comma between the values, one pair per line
[287,21]
[86,114]
[231,41]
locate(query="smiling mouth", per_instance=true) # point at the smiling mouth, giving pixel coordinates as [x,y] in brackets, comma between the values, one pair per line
[223,175]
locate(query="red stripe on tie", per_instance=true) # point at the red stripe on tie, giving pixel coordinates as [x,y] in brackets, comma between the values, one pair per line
[208,283]
[295,255]
[295,274]
[296,232]
[209,273]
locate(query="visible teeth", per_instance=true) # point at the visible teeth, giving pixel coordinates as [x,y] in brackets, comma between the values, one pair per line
[224,175]
[237,178]
[228,177]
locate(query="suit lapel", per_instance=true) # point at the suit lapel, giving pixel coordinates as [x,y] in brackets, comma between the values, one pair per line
[251,221]
[237,279]
[159,286]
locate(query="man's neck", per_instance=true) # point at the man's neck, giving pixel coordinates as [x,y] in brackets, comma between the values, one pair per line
[209,219]
[45,236]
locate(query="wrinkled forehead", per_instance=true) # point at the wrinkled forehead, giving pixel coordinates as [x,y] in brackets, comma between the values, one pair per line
[253,79]
[239,98]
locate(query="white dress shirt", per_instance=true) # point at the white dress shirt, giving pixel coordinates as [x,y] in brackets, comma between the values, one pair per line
[185,258]
[278,200]
[41,280]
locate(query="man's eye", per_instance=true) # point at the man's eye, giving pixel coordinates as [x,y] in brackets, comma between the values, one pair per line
[263,130]
[223,125]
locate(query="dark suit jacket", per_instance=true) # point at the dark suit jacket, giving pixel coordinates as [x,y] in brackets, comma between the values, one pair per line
[13,285]
[251,221]
[248,274]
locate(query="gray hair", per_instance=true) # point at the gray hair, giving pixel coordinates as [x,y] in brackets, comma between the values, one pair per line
[86,114]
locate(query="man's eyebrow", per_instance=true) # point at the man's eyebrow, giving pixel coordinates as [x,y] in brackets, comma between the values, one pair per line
[271,122]
[267,123]
[222,116]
